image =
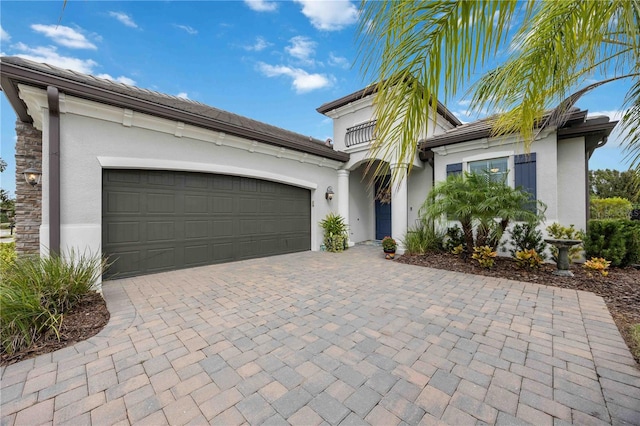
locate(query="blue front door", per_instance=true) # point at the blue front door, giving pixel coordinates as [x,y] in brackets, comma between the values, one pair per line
[382,210]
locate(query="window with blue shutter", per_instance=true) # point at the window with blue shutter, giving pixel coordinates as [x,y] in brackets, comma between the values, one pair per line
[525,174]
[454,169]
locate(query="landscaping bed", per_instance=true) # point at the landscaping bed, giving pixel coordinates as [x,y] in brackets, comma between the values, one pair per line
[620,289]
[85,320]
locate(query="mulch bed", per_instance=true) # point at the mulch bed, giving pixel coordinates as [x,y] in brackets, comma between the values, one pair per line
[85,320]
[620,289]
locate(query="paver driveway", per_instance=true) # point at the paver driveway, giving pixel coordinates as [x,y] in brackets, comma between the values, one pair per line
[349,338]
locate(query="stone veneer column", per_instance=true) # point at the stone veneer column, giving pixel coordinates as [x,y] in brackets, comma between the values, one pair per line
[28,198]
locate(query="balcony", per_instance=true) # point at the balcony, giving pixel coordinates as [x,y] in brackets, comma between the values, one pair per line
[360,134]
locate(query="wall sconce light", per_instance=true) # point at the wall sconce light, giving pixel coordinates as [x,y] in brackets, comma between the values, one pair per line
[329,194]
[32,176]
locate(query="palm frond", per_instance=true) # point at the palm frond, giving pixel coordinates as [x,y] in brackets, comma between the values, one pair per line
[412,49]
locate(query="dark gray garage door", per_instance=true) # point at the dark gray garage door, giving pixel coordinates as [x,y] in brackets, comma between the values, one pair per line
[160,220]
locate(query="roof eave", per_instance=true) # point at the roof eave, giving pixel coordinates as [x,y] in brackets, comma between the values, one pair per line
[13,74]
[372,89]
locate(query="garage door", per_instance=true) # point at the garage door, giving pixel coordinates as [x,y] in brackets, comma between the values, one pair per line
[156,221]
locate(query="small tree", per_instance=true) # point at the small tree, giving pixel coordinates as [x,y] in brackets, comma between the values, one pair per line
[479,204]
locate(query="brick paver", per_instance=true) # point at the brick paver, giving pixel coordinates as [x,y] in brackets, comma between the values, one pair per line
[322,338]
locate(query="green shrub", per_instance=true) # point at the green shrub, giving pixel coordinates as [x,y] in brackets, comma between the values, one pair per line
[610,208]
[335,232]
[617,240]
[7,256]
[422,238]
[23,317]
[35,292]
[527,237]
[453,238]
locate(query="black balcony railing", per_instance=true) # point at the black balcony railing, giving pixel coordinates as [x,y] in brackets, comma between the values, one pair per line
[362,133]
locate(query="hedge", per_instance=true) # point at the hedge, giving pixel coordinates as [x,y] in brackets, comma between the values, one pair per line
[610,208]
[617,240]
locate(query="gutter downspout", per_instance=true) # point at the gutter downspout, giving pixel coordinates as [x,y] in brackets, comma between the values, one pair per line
[53,98]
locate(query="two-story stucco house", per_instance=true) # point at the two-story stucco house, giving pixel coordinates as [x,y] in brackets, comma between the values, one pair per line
[158,183]
[555,170]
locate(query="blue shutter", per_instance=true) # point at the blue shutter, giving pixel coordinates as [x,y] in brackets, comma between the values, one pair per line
[525,172]
[454,169]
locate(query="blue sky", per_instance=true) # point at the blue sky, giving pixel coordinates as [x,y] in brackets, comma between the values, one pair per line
[272,61]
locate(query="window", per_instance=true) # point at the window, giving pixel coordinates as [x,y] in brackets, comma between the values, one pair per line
[495,168]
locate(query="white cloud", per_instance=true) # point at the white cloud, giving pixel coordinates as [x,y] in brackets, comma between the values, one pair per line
[261,5]
[302,81]
[182,95]
[302,48]
[124,19]
[187,29]
[259,45]
[329,15]
[49,55]
[122,79]
[64,36]
[338,61]
[4,36]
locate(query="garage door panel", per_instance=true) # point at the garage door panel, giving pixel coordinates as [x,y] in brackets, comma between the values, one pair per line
[196,254]
[123,202]
[222,205]
[223,252]
[249,227]
[196,181]
[161,178]
[156,221]
[196,204]
[128,262]
[123,232]
[223,182]
[161,203]
[196,229]
[161,259]
[270,226]
[161,231]
[248,185]
[249,205]
[123,176]
[223,228]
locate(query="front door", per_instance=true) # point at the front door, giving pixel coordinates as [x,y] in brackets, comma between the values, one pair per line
[383,208]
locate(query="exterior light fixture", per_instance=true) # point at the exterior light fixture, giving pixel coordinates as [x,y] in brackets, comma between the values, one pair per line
[32,176]
[329,194]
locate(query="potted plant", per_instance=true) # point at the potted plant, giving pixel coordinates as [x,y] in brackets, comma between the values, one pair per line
[389,246]
[335,232]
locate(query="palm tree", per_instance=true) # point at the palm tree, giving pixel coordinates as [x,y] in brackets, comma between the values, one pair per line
[419,51]
[480,203]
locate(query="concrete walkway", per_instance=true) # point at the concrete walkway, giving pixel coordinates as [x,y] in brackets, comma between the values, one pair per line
[323,338]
